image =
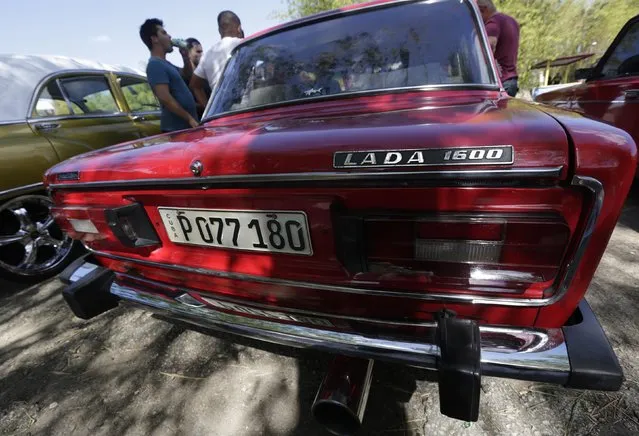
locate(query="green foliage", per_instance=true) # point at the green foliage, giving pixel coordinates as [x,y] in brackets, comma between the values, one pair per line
[101,102]
[140,98]
[549,28]
[556,28]
[302,8]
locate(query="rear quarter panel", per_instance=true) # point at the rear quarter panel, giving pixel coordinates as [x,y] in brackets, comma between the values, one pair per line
[24,156]
[609,155]
[77,135]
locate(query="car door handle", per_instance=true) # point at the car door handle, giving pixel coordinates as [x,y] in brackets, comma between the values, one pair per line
[631,94]
[45,127]
[138,118]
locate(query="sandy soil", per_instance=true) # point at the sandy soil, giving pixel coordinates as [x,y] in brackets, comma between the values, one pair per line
[129,372]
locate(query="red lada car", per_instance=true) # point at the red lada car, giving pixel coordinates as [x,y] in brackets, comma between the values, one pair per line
[362,185]
[610,91]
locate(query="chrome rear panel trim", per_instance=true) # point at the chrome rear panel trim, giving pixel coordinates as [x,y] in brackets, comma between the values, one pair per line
[526,351]
[345,178]
[21,190]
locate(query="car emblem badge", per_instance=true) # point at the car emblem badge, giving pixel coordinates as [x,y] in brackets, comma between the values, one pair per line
[196,168]
[70,175]
[422,157]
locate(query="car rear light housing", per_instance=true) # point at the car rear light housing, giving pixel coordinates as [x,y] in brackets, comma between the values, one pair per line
[504,253]
[126,228]
[83,226]
[131,226]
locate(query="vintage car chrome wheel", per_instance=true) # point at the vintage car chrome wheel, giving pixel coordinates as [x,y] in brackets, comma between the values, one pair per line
[32,246]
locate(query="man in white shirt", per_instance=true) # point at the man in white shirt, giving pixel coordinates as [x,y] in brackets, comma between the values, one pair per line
[213,62]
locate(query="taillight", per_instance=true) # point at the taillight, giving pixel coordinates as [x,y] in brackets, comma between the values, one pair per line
[498,253]
[126,228]
[83,226]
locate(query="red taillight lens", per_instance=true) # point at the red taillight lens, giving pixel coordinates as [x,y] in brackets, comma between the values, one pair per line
[488,253]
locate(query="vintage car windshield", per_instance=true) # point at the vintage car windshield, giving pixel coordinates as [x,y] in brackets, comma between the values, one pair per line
[405,45]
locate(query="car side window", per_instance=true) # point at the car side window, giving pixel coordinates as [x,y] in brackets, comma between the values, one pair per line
[51,102]
[624,60]
[91,95]
[138,94]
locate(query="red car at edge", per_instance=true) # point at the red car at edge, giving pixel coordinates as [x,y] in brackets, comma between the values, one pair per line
[361,184]
[610,90]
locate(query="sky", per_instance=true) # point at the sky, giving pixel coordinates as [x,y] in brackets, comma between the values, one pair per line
[108,31]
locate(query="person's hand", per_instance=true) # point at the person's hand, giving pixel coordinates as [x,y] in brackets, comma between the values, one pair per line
[185,53]
[193,122]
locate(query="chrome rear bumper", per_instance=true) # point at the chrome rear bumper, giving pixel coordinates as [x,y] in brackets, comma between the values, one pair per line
[504,350]
[547,355]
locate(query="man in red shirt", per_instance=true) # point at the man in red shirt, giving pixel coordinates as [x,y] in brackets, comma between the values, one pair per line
[503,35]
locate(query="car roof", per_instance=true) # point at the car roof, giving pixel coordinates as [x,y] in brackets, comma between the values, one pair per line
[329,13]
[313,17]
[21,74]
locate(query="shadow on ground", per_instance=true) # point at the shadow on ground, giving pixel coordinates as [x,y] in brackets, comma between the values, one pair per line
[133,373]
[9,288]
[129,372]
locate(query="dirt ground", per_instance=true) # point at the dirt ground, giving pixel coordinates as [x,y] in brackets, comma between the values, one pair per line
[129,372]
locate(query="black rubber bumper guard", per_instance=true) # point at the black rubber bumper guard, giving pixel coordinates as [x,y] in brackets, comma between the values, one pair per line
[593,363]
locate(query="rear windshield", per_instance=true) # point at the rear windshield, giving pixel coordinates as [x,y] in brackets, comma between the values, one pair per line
[406,45]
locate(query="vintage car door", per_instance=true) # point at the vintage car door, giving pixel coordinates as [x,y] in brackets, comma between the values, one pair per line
[612,94]
[95,118]
[24,156]
[142,104]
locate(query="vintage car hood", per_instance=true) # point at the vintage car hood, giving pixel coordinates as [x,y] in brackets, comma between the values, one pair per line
[299,143]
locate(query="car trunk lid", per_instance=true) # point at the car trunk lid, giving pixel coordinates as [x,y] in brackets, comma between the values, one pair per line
[339,139]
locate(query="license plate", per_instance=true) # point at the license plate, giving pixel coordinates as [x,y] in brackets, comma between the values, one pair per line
[273,231]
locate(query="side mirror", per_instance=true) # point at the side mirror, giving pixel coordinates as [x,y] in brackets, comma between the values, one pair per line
[584,73]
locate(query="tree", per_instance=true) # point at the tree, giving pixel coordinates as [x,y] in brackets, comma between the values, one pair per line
[302,8]
[557,28]
[549,28]
[605,18]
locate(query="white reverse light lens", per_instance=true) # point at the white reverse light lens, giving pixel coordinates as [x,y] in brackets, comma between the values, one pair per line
[83,226]
[437,250]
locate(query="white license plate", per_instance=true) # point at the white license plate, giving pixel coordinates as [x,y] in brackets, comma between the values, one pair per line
[274,231]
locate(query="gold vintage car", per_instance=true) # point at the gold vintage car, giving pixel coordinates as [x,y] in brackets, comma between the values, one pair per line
[51,109]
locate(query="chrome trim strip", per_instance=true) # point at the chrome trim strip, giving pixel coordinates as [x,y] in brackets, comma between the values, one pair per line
[35,120]
[528,351]
[11,122]
[69,72]
[593,185]
[345,177]
[580,102]
[597,190]
[285,310]
[479,24]
[576,103]
[26,189]
[158,113]
[366,390]
[63,91]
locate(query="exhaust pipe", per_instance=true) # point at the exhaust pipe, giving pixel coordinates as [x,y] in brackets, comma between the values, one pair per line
[341,400]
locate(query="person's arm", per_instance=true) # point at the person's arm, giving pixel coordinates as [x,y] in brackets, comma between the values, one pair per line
[187,70]
[493,30]
[164,95]
[198,85]
[199,81]
[493,43]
